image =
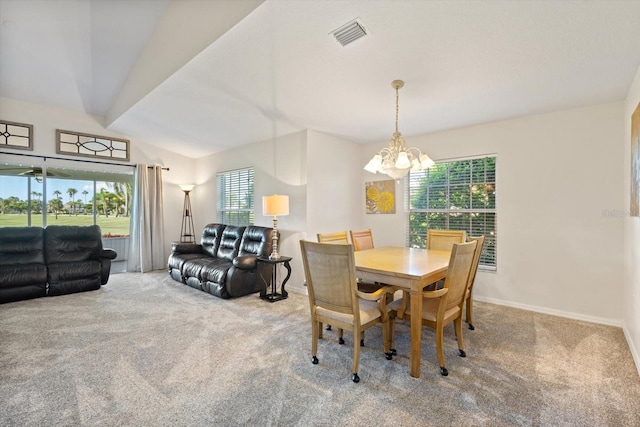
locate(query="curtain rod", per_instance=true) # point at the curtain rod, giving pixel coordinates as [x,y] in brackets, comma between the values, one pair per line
[73,160]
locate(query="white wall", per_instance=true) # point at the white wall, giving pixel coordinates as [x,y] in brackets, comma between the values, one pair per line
[559,251]
[46,120]
[334,184]
[631,288]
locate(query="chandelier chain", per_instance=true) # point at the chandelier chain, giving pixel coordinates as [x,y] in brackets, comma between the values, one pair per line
[397,98]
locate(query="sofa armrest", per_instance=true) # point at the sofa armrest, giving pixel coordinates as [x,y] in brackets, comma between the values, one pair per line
[186,248]
[246,262]
[109,254]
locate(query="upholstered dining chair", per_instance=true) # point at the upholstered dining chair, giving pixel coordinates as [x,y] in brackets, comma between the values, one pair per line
[472,278]
[337,238]
[442,306]
[334,297]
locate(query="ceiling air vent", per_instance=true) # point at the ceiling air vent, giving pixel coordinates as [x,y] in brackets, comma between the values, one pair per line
[350,32]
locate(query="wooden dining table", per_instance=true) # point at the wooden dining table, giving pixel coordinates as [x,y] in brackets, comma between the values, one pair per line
[408,269]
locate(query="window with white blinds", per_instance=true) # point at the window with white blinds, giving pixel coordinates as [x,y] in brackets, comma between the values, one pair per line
[456,195]
[235,197]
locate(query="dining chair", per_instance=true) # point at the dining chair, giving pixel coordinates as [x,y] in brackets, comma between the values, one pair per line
[442,306]
[334,298]
[443,240]
[472,278]
[337,238]
[361,239]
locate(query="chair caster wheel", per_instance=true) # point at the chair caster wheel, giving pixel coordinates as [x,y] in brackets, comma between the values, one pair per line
[328,328]
[443,371]
[462,353]
[389,355]
[355,378]
[314,360]
[471,327]
[393,351]
[340,341]
[361,343]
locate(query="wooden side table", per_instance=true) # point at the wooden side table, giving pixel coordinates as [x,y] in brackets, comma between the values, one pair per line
[274,296]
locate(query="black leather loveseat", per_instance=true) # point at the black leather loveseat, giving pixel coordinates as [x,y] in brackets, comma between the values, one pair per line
[57,260]
[224,264]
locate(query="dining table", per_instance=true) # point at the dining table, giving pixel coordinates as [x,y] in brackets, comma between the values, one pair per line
[409,269]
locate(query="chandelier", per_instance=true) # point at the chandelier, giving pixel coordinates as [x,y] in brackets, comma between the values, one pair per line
[397,160]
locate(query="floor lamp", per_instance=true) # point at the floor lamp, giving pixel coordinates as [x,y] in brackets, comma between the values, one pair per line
[187,234]
[275,205]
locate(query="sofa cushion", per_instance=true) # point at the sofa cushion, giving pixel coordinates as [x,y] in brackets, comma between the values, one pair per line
[177,260]
[22,274]
[214,270]
[211,236]
[256,241]
[21,245]
[68,243]
[230,242]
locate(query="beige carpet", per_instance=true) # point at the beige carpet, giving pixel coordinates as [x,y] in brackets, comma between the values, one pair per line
[148,351]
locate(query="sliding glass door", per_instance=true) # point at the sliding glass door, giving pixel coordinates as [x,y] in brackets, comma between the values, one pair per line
[41,196]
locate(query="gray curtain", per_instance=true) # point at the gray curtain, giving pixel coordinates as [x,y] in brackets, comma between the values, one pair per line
[146,252]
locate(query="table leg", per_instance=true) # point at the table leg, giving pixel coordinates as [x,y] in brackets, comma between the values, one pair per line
[288,267]
[416,332]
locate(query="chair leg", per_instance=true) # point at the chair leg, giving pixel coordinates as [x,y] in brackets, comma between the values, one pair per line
[316,330]
[356,355]
[320,330]
[386,339]
[362,339]
[469,304]
[340,336]
[392,333]
[458,325]
[439,348]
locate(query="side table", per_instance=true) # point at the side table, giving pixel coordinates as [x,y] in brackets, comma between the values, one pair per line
[274,296]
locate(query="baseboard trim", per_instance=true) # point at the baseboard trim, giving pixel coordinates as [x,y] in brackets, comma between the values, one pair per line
[559,313]
[634,352]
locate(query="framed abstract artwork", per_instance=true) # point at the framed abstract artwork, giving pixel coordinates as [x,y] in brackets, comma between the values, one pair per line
[380,197]
[635,163]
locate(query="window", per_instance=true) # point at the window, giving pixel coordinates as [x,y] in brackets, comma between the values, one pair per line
[37,196]
[235,197]
[457,195]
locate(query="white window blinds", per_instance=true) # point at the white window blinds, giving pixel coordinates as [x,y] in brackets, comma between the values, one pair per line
[456,195]
[235,197]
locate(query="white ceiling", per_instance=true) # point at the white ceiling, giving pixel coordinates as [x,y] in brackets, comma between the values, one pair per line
[272,67]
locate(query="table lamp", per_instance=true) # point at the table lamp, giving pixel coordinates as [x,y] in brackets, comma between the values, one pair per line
[275,205]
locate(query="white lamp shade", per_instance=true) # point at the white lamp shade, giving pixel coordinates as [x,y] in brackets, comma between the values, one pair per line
[275,205]
[426,161]
[187,187]
[403,161]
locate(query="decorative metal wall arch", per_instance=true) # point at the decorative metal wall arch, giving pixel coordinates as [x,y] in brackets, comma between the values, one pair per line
[88,145]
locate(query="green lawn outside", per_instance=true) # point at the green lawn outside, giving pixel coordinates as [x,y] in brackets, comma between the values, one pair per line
[111,225]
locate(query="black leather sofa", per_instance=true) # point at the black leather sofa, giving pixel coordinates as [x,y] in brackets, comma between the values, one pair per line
[224,264]
[57,260]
